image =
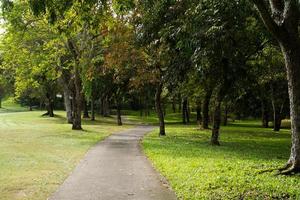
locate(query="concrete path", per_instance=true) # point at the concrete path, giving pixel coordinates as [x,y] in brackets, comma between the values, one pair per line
[115,169]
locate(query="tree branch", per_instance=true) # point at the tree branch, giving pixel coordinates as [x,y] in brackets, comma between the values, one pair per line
[268,20]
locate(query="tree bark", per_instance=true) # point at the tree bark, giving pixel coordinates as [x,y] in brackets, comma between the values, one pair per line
[174,105]
[119,114]
[85,109]
[265,113]
[92,108]
[205,109]
[77,102]
[68,105]
[184,110]
[285,29]
[225,120]
[216,124]
[198,111]
[77,97]
[159,109]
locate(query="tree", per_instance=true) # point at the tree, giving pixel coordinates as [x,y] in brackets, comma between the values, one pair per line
[281,17]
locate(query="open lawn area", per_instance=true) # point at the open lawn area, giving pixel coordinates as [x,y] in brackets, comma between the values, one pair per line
[38,153]
[197,170]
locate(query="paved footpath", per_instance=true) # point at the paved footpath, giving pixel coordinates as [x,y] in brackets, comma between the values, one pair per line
[115,169]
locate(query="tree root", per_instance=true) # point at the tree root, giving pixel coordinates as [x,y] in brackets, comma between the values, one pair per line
[290,171]
[287,170]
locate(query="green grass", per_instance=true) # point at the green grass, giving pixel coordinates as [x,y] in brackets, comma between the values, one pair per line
[38,153]
[197,170]
[9,105]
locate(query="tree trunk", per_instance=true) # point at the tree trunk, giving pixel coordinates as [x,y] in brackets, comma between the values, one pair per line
[292,60]
[49,105]
[198,111]
[265,114]
[205,109]
[0,102]
[105,107]
[225,121]
[174,105]
[216,124]
[68,105]
[277,120]
[85,109]
[93,108]
[184,110]
[159,109]
[119,114]
[77,97]
[188,111]
[287,34]
[77,101]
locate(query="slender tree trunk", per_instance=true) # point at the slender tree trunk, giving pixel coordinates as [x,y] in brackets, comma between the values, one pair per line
[119,114]
[184,110]
[0,102]
[174,105]
[93,108]
[68,105]
[277,120]
[265,114]
[179,102]
[225,121]
[205,109]
[198,111]
[159,109]
[105,107]
[85,109]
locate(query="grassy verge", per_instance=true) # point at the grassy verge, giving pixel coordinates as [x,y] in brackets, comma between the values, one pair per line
[37,153]
[197,170]
[9,105]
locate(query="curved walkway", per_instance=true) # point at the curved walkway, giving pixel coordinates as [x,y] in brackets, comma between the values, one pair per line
[115,169]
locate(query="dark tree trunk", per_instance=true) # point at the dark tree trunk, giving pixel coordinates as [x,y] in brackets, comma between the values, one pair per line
[198,111]
[188,111]
[205,109]
[277,120]
[216,124]
[179,102]
[49,105]
[119,114]
[184,111]
[265,114]
[93,108]
[0,102]
[225,120]
[159,110]
[77,97]
[77,102]
[85,109]
[105,107]
[174,105]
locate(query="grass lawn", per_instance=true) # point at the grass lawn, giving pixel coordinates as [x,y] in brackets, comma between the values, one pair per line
[38,153]
[197,170]
[9,105]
